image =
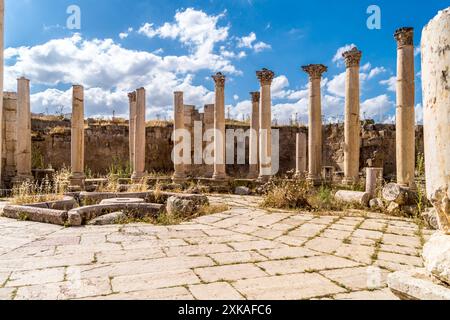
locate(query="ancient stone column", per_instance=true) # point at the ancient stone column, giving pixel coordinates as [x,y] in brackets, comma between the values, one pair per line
[300,156]
[265,125]
[23,148]
[189,112]
[352,145]
[132,127]
[208,124]
[139,139]
[254,134]
[2,15]
[219,128]
[315,72]
[77,138]
[374,181]
[179,170]
[436,103]
[405,130]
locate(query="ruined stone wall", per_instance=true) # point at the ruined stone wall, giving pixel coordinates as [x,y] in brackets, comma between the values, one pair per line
[108,144]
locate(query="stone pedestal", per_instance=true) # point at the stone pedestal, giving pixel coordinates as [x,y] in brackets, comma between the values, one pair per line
[219,128]
[77,138]
[23,148]
[315,72]
[405,129]
[352,118]
[265,77]
[179,169]
[254,137]
[436,102]
[300,155]
[132,126]
[139,140]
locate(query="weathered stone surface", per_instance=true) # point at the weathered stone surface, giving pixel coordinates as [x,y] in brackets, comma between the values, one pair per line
[436,254]
[122,201]
[431,218]
[230,273]
[179,207]
[110,218]
[361,198]
[36,214]
[242,191]
[376,204]
[416,285]
[215,291]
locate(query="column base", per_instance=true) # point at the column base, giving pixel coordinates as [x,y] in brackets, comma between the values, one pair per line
[179,178]
[350,181]
[76,180]
[137,177]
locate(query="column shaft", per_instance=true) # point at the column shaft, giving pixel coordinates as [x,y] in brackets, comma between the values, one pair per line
[23,148]
[208,124]
[300,156]
[132,127]
[405,130]
[254,137]
[139,140]
[352,117]
[179,169]
[265,77]
[2,15]
[315,72]
[77,137]
[219,128]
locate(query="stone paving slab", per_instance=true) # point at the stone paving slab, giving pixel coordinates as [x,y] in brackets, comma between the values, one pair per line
[244,253]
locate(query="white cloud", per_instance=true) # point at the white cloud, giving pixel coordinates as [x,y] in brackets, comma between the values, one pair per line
[375,72]
[336,86]
[249,43]
[338,56]
[419,113]
[417,51]
[391,83]
[377,108]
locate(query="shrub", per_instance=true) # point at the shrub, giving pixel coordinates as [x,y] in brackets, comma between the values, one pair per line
[287,194]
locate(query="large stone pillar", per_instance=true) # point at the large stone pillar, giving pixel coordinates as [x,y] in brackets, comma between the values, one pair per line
[254,134]
[77,138]
[2,16]
[300,155]
[265,77]
[352,145]
[139,139]
[219,128]
[132,127]
[315,72]
[436,103]
[23,148]
[178,107]
[405,130]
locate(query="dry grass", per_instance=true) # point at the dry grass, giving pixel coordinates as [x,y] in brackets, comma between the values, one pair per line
[59,130]
[48,190]
[159,123]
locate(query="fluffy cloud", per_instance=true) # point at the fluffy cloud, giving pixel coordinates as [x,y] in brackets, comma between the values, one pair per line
[377,108]
[391,83]
[249,42]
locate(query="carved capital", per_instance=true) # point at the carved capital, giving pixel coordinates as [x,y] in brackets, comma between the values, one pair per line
[404,36]
[132,96]
[352,58]
[256,96]
[315,71]
[219,78]
[265,76]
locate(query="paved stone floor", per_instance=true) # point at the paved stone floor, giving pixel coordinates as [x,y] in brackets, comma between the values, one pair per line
[244,253]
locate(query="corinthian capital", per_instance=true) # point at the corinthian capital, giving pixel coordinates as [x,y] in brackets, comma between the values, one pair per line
[315,71]
[352,58]
[255,96]
[265,76]
[132,96]
[219,79]
[404,36]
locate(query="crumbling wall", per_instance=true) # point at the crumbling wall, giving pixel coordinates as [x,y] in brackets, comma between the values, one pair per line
[107,144]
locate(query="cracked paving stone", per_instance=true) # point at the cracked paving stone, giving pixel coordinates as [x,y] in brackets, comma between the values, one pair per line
[237,257]
[356,279]
[174,293]
[35,277]
[215,291]
[400,258]
[384,294]
[230,273]
[325,245]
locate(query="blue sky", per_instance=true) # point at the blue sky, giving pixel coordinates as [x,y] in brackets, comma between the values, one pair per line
[177,45]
